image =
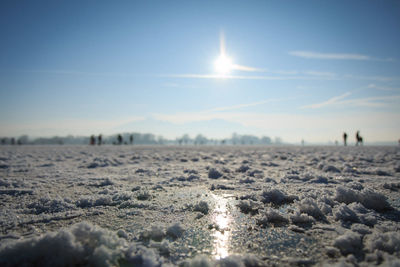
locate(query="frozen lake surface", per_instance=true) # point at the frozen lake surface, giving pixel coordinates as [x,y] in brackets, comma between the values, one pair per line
[199,206]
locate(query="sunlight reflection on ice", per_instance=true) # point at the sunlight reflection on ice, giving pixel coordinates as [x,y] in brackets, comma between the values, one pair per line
[222,219]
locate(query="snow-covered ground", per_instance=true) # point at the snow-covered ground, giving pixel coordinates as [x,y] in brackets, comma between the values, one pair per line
[199,206]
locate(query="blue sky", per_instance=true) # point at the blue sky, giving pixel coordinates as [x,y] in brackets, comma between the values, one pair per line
[313,68]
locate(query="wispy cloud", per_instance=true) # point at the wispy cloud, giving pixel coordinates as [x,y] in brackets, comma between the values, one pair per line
[245,77]
[377,101]
[335,56]
[383,88]
[205,115]
[329,102]
[247,68]
[240,106]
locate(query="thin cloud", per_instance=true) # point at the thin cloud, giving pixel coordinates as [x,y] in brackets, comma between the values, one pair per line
[247,68]
[329,102]
[244,77]
[242,105]
[383,88]
[378,101]
[334,56]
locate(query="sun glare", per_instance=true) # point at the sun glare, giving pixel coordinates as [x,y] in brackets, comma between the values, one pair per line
[223,64]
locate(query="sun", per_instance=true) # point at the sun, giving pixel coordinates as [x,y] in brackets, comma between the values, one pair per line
[223,65]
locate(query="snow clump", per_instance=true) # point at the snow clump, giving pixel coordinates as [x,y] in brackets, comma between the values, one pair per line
[80,245]
[202,207]
[272,216]
[388,242]
[214,174]
[277,197]
[348,243]
[367,197]
[175,231]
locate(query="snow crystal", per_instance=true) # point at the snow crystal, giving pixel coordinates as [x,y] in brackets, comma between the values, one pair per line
[344,213]
[248,206]
[301,218]
[392,186]
[247,180]
[214,173]
[374,200]
[361,229]
[88,202]
[202,207]
[310,207]
[330,168]
[175,231]
[367,197]
[346,195]
[277,197]
[143,195]
[349,242]
[388,242]
[243,168]
[272,216]
[46,205]
[156,233]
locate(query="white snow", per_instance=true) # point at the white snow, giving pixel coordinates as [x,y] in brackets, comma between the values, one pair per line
[199,206]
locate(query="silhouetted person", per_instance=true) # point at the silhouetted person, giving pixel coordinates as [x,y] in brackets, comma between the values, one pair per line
[99,139]
[345,139]
[119,139]
[359,139]
[3,141]
[131,139]
[92,140]
[13,141]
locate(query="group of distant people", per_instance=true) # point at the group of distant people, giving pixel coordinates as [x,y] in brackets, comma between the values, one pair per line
[359,139]
[120,140]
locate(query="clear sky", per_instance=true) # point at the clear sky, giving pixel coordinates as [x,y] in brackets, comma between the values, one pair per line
[295,69]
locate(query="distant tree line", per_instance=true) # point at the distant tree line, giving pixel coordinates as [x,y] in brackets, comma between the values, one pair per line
[141,139]
[235,139]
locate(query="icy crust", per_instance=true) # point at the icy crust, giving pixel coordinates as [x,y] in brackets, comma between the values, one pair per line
[199,206]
